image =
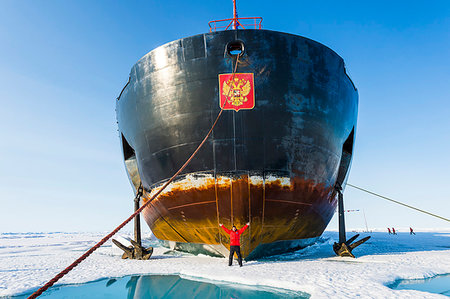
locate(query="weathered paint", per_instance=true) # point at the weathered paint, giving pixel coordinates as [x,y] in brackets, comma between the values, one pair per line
[191,209]
[275,165]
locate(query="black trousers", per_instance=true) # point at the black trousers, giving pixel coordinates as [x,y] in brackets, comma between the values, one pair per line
[234,249]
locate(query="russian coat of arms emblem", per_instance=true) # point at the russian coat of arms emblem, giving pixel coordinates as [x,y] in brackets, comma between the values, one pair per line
[236,92]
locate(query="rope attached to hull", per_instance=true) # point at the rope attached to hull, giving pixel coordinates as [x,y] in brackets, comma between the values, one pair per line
[397,202]
[107,237]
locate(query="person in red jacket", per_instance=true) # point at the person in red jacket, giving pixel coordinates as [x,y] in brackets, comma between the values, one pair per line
[235,243]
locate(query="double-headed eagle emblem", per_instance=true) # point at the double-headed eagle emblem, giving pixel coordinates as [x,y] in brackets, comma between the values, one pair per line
[236,91]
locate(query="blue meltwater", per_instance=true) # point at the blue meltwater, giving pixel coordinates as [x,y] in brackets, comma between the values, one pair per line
[439,285]
[164,286]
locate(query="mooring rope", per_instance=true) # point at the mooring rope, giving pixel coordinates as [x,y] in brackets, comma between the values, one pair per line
[107,237]
[397,202]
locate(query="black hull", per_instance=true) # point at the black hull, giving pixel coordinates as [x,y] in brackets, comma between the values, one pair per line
[279,161]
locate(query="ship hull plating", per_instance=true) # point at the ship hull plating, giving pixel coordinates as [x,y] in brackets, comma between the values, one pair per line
[275,165]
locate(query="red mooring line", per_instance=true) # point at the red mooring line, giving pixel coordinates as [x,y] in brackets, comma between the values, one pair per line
[107,237]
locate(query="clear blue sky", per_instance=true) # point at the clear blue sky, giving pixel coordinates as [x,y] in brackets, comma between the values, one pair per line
[63,63]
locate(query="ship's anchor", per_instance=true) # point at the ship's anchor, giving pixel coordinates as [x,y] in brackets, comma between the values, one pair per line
[136,251]
[344,248]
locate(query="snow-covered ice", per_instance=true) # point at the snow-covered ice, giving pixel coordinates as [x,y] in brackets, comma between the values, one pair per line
[29,260]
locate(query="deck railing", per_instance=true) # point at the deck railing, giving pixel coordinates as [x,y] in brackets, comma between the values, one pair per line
[235,23]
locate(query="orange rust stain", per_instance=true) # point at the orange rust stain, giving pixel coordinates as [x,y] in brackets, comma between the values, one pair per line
[191,213]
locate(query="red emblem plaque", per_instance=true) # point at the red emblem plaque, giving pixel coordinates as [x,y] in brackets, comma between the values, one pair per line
[238,92]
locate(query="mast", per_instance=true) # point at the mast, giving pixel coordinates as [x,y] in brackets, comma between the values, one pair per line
[235,15]
[235,22]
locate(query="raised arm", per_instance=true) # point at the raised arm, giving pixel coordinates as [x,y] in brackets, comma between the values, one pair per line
[225,229]
[244,228]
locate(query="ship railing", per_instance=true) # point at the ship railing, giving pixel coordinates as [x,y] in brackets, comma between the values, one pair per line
[235,23]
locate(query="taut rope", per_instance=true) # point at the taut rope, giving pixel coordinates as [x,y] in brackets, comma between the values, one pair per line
[107,237]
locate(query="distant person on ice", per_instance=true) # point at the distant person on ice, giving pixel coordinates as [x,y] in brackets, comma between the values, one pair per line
[235,243]
[411,231]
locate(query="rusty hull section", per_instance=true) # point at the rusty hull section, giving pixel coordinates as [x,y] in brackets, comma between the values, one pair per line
[277,208]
